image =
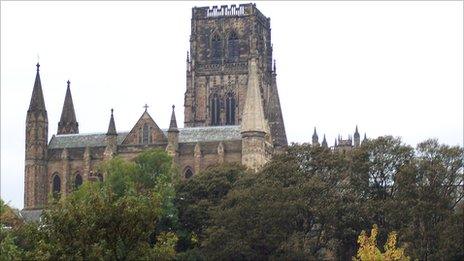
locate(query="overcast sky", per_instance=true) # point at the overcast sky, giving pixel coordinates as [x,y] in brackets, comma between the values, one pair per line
[393,68]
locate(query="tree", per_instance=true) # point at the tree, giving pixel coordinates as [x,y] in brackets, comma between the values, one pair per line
[196,197]
[115,219]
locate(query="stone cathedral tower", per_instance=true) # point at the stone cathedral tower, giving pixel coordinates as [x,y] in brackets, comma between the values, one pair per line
[222,43]
[35,172]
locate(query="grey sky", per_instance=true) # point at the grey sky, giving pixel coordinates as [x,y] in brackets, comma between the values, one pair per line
[391,67]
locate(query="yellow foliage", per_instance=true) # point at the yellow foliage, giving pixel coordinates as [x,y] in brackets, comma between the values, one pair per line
[368,250]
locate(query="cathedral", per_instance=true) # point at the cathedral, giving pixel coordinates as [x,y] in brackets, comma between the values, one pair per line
[232,113]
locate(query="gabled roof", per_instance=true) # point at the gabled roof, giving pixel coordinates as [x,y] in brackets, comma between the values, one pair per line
[131,138]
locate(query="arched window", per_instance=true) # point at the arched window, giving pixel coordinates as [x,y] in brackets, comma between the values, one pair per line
[140,135]
[215,110]
[188,173]
[216,48]
[56,186]
[230,109]
[232,46]
[77,181]
[145,134]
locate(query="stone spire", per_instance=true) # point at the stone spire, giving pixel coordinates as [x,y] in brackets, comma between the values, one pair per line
[315,137]
[324,143]
[37,99]
[173,123]
[274,116]
[253,114]
[111,126]
[365,137]
[356,136]
[68,123]
[254,126]
[35,172]
[173,136]
[111,148]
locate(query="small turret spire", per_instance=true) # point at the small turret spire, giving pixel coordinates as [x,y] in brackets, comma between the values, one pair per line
[315,137]
[274,70]
[324,142]
[111,126]
[68,123]
[173,123]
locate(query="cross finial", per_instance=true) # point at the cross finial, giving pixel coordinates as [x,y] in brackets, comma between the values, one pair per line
[145,106]
[38,65]
[173,106]
[111,111]
[69,83]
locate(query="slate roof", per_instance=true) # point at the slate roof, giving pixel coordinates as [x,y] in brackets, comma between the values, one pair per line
[31,215]
[194,134]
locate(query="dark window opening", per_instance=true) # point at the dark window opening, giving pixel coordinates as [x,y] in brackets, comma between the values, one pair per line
[216,46]
[188,173]
[56,186]
[233,47]
[230,109]
[77,181]
[215,110]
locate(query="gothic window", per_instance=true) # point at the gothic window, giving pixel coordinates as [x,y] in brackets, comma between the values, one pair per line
[150,135]
[230,109]
[56,186]
[77,181]
[140,135]
[215,110]
[216,47]
[188,173]
[145,134]
[232,46]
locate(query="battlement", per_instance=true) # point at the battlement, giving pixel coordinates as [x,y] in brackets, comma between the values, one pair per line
[226,11]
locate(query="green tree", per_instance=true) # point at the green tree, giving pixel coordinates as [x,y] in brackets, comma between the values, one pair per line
[115,219]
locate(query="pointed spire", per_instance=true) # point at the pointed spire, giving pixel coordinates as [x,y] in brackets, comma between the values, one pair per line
[365,138]
[111,126]
[335,144]
[324,142]
[68,123]
[253,112]
[173,123]
[356,133]
[37,99]
[315,137]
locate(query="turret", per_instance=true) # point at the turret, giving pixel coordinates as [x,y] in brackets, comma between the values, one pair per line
[315,138]
[357,138]
[35,173]
[111,138]
[254,125]
[324,143]
[68,123]
[365,138]
[173,135]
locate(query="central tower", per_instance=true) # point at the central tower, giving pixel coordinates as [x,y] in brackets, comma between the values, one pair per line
[222,41]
